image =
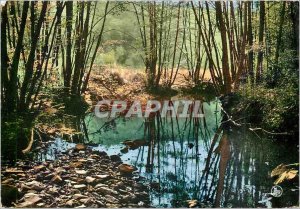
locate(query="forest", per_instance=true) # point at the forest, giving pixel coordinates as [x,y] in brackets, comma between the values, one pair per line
[59,59]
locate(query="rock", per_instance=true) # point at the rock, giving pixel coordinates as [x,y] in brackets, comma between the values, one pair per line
[49,176]
[9,194]
[35,185]
[85,200]
[8,181]
[115,158]
[111,199]
[40,204]
[53,191]
[79,186]
[13,170]
[94,156]
[39,168]
[124,150]
[100,185]
[79,196]
[100,153]
[90,179]
[126,169]
[106,190]
[134,144]
[81,172]
[70,203]
[79,147]
[103,177]
[76,164]
[56,179]
[30,200]
[141,203]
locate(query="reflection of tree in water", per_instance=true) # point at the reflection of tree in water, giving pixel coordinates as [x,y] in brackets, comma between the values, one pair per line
[185,162]
[185,159]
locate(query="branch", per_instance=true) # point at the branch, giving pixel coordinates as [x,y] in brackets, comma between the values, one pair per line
[251,129]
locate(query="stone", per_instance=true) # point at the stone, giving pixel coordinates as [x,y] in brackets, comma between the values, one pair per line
[79,186]
[56,179]
[115,158]
[90,179]
[81,172]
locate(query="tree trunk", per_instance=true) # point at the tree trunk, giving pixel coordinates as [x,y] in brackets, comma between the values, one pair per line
[259,67]
[30,62]
[4,55]
[12,88]
[68,67]
[250,43]
[225,64]
[279,35]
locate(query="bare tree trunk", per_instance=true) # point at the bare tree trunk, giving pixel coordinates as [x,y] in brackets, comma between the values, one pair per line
[279,35]
[30,61]
[68,67]
[250,42]
[12,84]
[225,64]
[4,55]
[96,49]
[259,67]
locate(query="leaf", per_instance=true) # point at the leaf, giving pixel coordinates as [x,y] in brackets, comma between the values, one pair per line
[281,178]
[192,203]
[291,174]
[278,170]
[80,147]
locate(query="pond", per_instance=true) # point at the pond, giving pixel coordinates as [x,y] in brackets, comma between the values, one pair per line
[193,159]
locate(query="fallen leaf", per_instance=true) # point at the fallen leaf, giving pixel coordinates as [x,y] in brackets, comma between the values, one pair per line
[80,147]
[291,174]
[192,203]
[278,170]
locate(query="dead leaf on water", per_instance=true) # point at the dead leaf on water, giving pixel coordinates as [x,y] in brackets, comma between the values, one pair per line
[192,203]
[291,174]
[278,170]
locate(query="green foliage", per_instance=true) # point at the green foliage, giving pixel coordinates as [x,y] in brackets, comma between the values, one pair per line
[14,137]
[274,108]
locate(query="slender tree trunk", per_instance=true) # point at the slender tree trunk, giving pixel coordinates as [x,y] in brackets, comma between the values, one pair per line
[225,64]
[250,43]
[4,55]
[68,67]
[259,67]
[30,62]
[96,49]
[279,34]
[12,89]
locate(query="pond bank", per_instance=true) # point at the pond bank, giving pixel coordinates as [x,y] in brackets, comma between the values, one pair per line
[79,177]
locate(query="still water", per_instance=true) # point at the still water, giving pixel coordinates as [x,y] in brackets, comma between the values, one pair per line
[193,159]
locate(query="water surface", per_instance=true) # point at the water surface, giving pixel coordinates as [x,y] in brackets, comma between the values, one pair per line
[189,158]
